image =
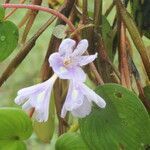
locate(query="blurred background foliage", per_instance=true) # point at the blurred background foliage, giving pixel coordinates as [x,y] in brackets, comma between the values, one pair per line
[28,72]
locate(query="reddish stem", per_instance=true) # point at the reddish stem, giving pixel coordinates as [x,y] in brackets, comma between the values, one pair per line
[45,9]
[13,11]
[31,112]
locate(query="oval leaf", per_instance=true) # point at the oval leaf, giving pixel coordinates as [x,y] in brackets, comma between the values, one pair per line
[147,95]
[12,145]
[8,38]
[14,124]
[147,92]
[123,124]
[2,13]
[70,141]
[60,31]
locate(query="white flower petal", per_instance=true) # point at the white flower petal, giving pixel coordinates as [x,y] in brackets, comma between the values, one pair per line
[84,60]
[66,47]
[92,96]
[27,106]
[83,110]
[81,48]
[42,106]
[74,98]
[77,74]
[69,72]
[32,89]
[76,102]
[39,98]
[20,99]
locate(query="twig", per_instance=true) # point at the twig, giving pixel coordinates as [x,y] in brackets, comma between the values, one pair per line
[79,13]
[97,75]
[45,9]
[123,61]
[85,12]
[24,19]
[97,14]
[135,35]
[80,28]
[7,1]
[109,9]
[31,112]
[136,74]
[31,20]
[137,77]
[14,10]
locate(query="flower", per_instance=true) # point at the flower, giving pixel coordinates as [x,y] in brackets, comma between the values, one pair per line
[79,100]
[67,62]
[38,97]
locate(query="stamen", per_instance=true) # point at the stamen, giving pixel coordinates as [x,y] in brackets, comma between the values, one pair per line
[67,61]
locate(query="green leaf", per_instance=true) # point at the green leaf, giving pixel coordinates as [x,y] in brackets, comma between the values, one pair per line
[60,31]
[14,124]
[8,38]
[12,145]
[2,13]
[45,130]
[70,141]
[123,124]
[147,92]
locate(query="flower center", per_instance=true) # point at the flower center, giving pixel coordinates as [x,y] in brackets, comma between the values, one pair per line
[67,61]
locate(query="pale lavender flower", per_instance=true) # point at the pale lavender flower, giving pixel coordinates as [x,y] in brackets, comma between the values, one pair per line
[79,100]
[37,96]
[67,62]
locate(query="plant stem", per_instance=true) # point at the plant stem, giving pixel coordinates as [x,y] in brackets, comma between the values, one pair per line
[109,9]
[84,12]
[97,14]
[135,35]
[31,20]
[31,112]
[7,1]
[45,9]
[123,61]
[136,75]
[13,11]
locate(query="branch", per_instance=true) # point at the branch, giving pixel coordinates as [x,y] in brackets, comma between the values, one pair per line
[135,35]
[85,12]
[31,20]
[13,11]
[45,9]
[123,60]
